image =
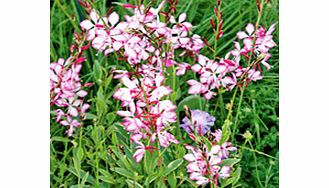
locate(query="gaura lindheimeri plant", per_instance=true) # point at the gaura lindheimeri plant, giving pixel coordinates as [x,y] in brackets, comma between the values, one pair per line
[66,90]
[150,42]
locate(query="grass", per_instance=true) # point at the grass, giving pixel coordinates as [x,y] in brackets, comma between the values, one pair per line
[99,153]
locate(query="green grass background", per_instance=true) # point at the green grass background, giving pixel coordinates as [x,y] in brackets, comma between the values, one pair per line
[97,153]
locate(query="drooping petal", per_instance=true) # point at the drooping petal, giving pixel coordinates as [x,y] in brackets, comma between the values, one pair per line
[135,138]
[139,154]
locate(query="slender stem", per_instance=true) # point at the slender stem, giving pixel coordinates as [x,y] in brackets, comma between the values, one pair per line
[67,15]
[255,160]
[80,140]
[238,110]
[249,63]
[217,31]
[259,152]
[231,105]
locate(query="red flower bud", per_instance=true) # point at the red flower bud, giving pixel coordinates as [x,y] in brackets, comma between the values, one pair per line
[212,24]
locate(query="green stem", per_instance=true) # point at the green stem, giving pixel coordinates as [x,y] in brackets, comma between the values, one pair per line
[218,22]
[244,81]
[255,160]
[231,105]
[67,15]
[238,110]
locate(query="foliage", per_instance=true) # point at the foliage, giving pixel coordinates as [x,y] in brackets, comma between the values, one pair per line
[100,154]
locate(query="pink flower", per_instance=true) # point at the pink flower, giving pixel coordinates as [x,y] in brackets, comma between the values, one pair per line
[250,28]
[224,172]
[203,165]
[139,154]
[164,138]
[93,25]
[66,93]
[254,75]
[182,67]
[71,123]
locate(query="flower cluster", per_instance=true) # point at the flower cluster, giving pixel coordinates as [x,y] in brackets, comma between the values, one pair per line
[142,37]
[225,72]
[147,115]
[205,163]
[66,90]
[148,45]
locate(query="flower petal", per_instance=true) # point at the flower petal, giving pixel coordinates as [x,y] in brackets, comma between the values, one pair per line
[113,18]
[182,17]
[86,24]
[250,28]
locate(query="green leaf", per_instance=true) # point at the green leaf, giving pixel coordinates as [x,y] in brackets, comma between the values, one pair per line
[110,117]
[78,186]
[60,139]
[90,178]
[80,154]
[172,180]
[124,172]
[226,131]
[133,184]
[84,179]
[207,142]
[90,116]
[150,179]
[149,162]
[173,166]
[107,179]
[229,162]
[193,102]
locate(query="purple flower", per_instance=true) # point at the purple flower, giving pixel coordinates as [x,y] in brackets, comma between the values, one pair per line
[200,122]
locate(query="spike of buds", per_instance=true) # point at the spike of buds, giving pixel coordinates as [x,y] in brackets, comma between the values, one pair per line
[83,48]
[71,49]
[219,35]
[215,10]
[80,60]
[220,25]
[205,41]
[88,84]
[129,6]
[258,5]
[109,11]
[212,23]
